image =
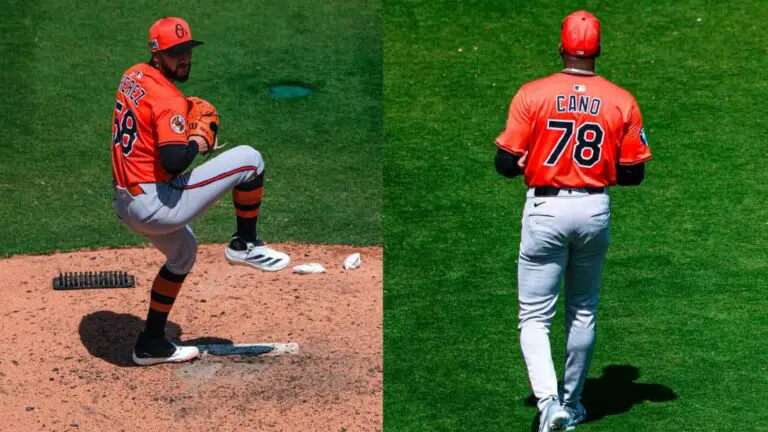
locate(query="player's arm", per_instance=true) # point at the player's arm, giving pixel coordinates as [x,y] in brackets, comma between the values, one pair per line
[633,150]
[513,142]
[178,157]
[630,175]
[177,150]
[507,164]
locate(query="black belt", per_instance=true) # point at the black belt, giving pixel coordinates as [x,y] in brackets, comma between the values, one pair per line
[553,191]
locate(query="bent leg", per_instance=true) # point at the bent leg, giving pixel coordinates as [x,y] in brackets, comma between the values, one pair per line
[246,198]
[152,347]
[192,194]
[180,249]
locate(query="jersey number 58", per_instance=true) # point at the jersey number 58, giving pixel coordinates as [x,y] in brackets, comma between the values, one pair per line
[589,142]
[125,130]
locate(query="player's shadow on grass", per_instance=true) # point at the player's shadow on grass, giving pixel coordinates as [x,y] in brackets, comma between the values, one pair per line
[615,392]
[111,336]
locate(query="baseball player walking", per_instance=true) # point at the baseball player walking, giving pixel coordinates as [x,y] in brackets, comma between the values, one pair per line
[571,135]
[156,134]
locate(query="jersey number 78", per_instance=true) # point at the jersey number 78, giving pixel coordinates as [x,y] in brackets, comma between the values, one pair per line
[589,142]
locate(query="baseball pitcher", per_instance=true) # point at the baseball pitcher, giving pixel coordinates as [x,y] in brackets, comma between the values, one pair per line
[571,135]
[156,134]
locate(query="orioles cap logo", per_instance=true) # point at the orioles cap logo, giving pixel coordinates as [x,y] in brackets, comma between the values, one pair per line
[180,32]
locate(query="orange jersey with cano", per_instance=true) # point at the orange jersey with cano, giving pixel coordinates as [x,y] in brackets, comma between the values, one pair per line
[150,112]
[575,129]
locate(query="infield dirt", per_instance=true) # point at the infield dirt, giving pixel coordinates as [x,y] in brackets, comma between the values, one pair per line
[65,356]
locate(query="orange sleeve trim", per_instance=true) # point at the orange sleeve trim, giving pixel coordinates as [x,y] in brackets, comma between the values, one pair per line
[645,159]
[171,142]
[508,150]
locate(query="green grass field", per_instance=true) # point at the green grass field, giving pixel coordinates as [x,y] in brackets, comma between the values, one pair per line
[683,298]
[62,62]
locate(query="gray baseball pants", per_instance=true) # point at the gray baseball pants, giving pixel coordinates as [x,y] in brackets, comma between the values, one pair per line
[162,213]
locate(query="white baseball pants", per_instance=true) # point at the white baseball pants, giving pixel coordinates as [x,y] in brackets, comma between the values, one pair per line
[562,236]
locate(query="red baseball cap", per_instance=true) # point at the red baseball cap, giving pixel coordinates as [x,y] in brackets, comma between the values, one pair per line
[580,34]
[171,32]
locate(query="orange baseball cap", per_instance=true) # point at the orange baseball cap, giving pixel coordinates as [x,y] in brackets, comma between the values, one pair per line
[580,34]
[171,32]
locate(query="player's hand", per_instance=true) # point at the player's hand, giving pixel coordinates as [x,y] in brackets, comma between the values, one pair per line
[523,161]
[203,120]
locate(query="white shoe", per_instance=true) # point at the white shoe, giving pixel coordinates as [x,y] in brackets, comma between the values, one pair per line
[257,255]
[553,416]
[148,352]
[575,415]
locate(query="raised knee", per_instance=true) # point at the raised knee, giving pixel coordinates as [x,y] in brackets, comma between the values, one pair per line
[251,156]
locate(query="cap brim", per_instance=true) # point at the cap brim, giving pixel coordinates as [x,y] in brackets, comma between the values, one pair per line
[178,48]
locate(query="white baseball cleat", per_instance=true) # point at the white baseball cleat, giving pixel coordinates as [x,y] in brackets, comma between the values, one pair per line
[553,416]
[148,352]
[576,415]
[256,254]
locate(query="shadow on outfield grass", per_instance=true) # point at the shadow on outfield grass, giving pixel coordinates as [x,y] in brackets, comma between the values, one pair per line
[110,336]
[616,392]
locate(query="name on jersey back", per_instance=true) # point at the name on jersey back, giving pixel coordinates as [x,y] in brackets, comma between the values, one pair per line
[131,88]
[578,103]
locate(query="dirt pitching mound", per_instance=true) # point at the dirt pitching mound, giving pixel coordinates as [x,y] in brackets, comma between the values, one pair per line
[65,356]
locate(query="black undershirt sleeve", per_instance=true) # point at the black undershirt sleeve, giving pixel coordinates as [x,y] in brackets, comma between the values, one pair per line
[506,164]
[630,175]
[178,157]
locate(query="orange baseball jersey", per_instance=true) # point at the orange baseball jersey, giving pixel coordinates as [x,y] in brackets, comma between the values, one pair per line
[150,112]
[575,129]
